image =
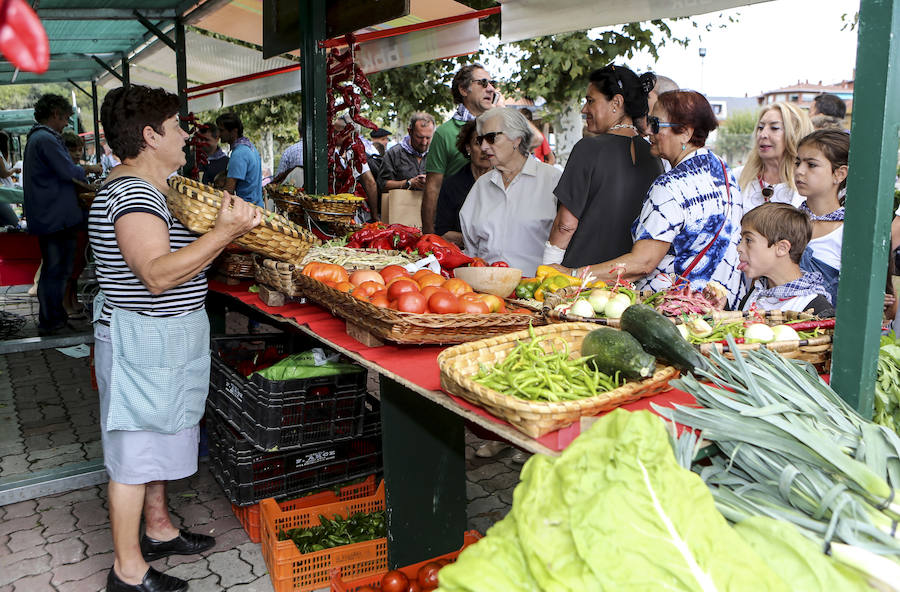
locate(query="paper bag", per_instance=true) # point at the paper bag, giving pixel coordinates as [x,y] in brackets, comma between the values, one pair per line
[402,206]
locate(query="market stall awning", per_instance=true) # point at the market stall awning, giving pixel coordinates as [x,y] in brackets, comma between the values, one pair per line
[81,32]
[525,19]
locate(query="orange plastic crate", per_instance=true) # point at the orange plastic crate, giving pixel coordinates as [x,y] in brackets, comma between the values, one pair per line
[411,571]
[292,571]
[248,516]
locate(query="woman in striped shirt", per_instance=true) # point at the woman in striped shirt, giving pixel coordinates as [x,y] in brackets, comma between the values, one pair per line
[151,331]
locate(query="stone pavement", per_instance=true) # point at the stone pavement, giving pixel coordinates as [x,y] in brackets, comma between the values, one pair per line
[62,543]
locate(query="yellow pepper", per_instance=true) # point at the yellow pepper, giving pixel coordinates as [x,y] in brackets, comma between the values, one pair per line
[545,271]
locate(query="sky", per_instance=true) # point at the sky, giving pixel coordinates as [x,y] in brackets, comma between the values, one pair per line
[771,45]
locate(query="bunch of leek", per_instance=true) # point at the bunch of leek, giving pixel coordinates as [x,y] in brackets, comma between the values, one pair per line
[792,449]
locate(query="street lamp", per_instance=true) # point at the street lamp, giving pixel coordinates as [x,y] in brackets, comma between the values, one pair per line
[702,55]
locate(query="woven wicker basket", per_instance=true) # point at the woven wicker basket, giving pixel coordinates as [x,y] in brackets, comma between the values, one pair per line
[404,327]
[196,205]
[816,350]
[278,275]
[325,209]
[235,265]
[536,418]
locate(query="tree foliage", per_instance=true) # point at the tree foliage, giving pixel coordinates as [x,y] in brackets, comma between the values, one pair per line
[734,139]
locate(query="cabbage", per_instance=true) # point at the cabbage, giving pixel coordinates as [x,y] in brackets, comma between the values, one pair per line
[614,512]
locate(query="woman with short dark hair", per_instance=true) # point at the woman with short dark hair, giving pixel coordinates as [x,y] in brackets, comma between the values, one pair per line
[151,332]
[690,223]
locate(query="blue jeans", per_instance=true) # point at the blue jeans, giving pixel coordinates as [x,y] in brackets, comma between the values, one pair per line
[58,256]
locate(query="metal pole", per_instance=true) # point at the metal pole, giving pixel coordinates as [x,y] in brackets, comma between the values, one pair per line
[870,187]
[97,150]
[126,78]
[181,81]
[314,97]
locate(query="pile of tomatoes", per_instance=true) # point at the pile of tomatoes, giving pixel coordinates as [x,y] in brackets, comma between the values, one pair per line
[394,287]
[396,581]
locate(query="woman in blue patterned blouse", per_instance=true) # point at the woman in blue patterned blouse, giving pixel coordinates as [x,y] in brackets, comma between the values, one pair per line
[690,223]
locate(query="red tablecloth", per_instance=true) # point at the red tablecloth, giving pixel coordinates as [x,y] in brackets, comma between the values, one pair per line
[415,363]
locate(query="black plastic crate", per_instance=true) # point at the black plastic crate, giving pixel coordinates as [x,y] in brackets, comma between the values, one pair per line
[248,476]
[284,414]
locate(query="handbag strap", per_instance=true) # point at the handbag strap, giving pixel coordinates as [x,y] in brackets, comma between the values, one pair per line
[690,268]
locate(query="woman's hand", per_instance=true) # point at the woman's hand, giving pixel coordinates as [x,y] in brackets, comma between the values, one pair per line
[236,217]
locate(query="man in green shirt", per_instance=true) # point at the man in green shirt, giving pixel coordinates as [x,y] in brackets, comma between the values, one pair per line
[474,93]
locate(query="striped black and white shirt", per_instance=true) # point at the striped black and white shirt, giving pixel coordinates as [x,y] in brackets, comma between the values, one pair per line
[122,288]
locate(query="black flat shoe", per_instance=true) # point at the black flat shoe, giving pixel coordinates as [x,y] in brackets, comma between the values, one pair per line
[153,582]
[186,543]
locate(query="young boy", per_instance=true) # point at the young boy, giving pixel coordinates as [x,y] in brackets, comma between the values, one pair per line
[773,238]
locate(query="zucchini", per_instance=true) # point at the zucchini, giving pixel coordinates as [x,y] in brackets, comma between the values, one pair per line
[616,351]
[659,336]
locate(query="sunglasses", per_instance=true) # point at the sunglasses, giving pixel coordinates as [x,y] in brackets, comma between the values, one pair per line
[655,124]
[484,82]
[490,137]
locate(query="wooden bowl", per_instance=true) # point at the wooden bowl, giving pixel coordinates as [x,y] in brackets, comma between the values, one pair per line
[499,281]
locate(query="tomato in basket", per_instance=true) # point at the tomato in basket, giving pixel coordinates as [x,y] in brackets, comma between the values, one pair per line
[394,581]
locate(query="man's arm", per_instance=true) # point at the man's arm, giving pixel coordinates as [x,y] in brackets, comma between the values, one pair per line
[433,182]
[58,159]
[368,183]
[230,184]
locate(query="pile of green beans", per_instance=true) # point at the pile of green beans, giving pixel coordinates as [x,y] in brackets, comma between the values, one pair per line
[530,373]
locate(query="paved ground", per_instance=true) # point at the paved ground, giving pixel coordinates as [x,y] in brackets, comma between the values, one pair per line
[62,543]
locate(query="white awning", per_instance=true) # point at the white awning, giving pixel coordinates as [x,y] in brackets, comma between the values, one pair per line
[525,19]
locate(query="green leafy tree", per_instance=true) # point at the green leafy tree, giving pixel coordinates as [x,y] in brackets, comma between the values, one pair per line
[734,139]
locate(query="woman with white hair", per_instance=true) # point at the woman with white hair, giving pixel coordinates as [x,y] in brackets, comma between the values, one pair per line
[508,213]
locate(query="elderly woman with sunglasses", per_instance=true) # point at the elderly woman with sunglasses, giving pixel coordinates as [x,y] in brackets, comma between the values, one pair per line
[769,172]
[509,210]
[607,175]
[690,223]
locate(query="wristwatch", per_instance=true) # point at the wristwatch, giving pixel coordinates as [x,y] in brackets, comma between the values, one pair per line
[408,184]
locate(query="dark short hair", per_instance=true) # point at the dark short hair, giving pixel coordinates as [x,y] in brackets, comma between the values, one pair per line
[615,80]
[466,133]
[49,104]
[72,140]
[231,122]
[463,79]
[127,110]
[777,221]
[209,128]
[834,144]
[832,105]
[688,108]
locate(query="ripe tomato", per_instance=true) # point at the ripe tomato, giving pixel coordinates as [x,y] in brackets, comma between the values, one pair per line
[473,306]
[428,575]
[430,279]
[394,581]
[393,271]
[365,275]
[379,299]
[401,286]
[478,262]
[344,286]
[366,289]
[414,586]
[443,303]
[457,286]
[495,303]
[412,302]
[427,291]
[422,272]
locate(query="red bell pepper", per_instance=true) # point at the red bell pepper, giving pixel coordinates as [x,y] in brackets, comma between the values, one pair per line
[447,253]
[478,262]
[499,264]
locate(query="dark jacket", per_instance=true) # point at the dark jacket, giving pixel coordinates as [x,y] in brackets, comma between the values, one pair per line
[47,172]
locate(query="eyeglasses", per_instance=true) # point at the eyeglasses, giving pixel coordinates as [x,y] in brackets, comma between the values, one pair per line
[490,137]
[655,124]
[484,82]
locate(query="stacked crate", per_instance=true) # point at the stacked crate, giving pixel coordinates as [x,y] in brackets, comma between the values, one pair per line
[284,439]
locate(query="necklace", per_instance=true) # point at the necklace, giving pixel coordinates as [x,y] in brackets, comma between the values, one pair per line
[623,126]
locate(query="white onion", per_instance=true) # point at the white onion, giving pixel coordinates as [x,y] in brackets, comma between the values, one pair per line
[758,333]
